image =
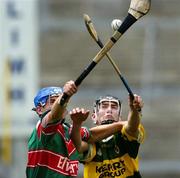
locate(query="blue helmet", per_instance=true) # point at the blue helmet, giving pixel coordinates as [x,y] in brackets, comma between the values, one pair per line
[44,93]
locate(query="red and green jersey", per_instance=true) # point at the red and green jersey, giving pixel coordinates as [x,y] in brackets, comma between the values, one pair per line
[116,156]
[51,153]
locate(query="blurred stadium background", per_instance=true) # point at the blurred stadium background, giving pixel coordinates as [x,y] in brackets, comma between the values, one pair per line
[45,43]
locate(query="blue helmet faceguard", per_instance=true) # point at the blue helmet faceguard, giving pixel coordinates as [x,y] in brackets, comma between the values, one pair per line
[43,95]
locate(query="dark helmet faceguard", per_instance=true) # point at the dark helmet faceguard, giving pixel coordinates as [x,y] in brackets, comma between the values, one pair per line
[106,98]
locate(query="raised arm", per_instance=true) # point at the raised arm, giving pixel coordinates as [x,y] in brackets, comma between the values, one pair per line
[97,133]
[102,131]
[58,112]
[78,116]
[134,115]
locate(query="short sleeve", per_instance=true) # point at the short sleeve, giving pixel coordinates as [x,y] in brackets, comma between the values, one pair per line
[85,133]
[141,134]
[47,133]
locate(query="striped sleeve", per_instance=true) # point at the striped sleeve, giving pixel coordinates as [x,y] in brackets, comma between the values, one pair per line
[85,133]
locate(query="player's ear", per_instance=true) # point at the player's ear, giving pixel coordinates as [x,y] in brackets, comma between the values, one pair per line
[94,118]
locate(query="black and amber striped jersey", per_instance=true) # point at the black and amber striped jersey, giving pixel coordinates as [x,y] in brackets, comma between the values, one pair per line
[116,156]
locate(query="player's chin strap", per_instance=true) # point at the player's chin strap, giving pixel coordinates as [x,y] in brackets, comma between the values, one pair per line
[107,122]
[43,114]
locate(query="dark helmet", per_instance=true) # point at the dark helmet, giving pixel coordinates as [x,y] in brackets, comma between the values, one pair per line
[44,93]
[106,98]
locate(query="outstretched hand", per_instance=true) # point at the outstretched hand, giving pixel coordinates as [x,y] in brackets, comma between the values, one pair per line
[136,103]
[79,115]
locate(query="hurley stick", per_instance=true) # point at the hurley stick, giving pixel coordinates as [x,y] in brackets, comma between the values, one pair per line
[92,31]
[137,9]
